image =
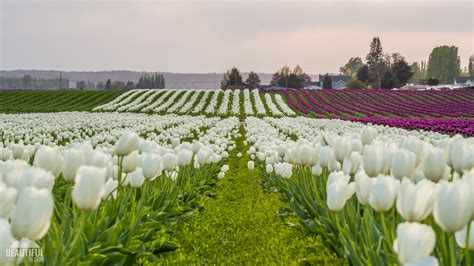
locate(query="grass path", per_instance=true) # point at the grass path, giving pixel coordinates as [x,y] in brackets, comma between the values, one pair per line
[241,226]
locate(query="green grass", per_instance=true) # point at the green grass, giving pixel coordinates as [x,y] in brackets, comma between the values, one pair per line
[241,226]
[54,100]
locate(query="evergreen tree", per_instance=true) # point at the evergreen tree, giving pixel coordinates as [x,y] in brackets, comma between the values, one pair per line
[327,82]
[363,74]
[375,61]
[401,70]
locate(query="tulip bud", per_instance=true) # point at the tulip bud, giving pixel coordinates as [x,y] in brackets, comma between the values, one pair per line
[403,164]
[151,165]
[221,175]
[461,155]
[31,216]
[416,202]
[225,168]
[6,241]
[269,168]
[434,165]
[461,237]
[130,162]
[5,154]
[342,148]
[452,209]
[49,159]
[202,156]
[250,165]
[7,200]
[72,160]
[110,188]
[383,192]
[284,169]
[368,135]
[316,170]
[339,190]
[363,185]
[373,160]
[169,161]
[184,157]
[89,187]
[126,144]
[414,242]
[136,178]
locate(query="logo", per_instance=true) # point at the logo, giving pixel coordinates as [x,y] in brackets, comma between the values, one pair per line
[24,251]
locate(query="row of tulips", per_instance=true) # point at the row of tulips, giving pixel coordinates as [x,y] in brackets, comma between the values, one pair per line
[413,201]
[382,103]
[211,102]
[107,206]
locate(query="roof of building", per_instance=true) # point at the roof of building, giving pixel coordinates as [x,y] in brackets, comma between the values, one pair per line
[463,79]
[336,78]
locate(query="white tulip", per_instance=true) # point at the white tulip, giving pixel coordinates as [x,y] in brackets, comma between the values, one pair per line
[383,192]
[284,169]
[221,175]
[339,190]
[250,165]
[130,162]
[427,261]
[452,209]
[6,241]
[7,200]
[269,168]
[225,168]
[403,164]
[434,164]
[373,160]
[202,156]
[316,170]
[363,185]
[136,178]
[127,143]
[367,135]
[416,202]
[151,165]
[110,188]
[461,237]
[416,146]
[461,155]
[31,216]
[49,159]
[184,157]
[73,158]
[29,177]
[89,187]
[414,242]
[342,148]
[5,154]
[169,161]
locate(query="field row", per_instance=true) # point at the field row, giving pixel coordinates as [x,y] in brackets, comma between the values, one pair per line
[376,195]
[381,103]
[200,102]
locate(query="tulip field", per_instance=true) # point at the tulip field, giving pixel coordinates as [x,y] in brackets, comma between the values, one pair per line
[181,177]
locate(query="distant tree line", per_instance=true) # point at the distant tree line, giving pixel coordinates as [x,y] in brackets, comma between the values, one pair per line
[156,81]
[27,82]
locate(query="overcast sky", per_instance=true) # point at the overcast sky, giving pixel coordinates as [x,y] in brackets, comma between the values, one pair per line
[211,36]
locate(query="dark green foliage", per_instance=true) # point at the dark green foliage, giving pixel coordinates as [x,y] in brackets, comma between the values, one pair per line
[433,82]
[156,81]
[470,67]
[288,78]
[401,70]
[231,78]
[444,63]
[327,82]
[363,73]
[53,100]
[352,66]
[27,82]
[355,84]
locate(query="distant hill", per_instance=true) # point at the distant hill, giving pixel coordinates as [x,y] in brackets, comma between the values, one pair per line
[173,80]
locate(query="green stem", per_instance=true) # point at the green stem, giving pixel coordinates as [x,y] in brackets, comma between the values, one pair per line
[467,247]
[452,249]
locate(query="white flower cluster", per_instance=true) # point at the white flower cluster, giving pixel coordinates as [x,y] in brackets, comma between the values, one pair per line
[173,101]
[247,103]
[235,102]
[258,102]
[420,173]
[283,106]
[225,103]
[272,106]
